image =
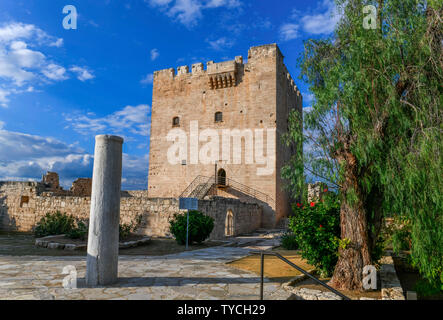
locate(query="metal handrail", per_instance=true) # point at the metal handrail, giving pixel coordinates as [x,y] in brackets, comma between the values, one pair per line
[199,180]
[262,258]
[249,191]
[202,183]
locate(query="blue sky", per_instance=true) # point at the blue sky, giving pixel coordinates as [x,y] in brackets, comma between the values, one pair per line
[59,88]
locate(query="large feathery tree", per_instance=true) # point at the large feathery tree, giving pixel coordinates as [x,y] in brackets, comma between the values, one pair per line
[375,129]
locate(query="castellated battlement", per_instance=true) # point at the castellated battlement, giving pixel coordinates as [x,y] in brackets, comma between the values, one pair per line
[227,73]
[198,68]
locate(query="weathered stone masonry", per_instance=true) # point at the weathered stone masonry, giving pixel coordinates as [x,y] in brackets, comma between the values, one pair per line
[255,94]
[23,204]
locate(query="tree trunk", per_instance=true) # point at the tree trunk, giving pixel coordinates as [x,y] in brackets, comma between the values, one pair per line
[348,272]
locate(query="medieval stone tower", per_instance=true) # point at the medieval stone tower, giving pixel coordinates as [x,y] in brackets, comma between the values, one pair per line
[238,110]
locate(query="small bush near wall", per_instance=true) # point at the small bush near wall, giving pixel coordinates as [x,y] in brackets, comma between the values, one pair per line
[80,231]
[125,229]
[200,227]
[53,224]
[289,241]
[61,223]
[316,226]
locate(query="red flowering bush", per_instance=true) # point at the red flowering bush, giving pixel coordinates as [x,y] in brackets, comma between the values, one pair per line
[316,228]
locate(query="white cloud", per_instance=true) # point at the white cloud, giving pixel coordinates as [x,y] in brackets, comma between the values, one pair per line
[188,12]
[322,23]
[82,73]
[289,31]
[4,97]
[130,119]
[16,60]
[55,72]
[222,3]
[14,30]
[21,145]
[2,125]
[154,54]
[57,43]
[308,97]
[22,64]
[148,79]
[27,157]
[221,44]
[135,172]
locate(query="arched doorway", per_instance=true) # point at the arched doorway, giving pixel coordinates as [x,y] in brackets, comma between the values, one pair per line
[221,178]
[229,224]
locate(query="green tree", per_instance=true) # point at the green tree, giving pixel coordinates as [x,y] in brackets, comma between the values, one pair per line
[375,128]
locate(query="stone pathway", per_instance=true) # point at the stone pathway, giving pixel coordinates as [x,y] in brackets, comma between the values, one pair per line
[201,274]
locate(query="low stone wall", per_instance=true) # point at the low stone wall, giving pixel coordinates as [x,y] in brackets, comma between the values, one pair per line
[390,284]
[247,217]
[23,204]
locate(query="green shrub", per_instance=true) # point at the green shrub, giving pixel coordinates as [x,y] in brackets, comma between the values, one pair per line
[200,227]
[53,224]
[426,288]
[400,234]
[125,229]
[79,232]
[316,227]
[289,241]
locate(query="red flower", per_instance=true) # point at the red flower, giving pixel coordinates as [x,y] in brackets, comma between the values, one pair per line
[321,226]
[325,190]
[298,204]
[312,204]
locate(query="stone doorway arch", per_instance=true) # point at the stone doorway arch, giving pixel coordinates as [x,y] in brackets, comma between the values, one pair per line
[221,178]
[229,224]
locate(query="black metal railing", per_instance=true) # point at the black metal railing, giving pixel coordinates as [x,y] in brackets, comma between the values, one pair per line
[262,267]
[250,191]
[201,185]
[198,188]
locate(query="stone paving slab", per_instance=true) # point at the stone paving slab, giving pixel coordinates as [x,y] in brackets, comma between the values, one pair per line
[200,274]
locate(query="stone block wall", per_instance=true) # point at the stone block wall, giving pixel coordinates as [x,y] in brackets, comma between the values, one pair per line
[247,217]
[23,204]
[51,180]
[81,187]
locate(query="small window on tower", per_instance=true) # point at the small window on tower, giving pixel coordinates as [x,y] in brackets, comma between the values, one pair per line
[218,117]
[176,122]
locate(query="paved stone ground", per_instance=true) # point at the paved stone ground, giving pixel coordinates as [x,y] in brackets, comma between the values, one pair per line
[201,274]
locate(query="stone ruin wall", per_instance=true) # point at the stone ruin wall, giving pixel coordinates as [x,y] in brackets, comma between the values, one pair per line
[50,184]
[81,187]
[23,204]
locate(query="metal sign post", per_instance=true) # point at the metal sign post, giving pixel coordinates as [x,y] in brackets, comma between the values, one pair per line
[188,204]
[187,230]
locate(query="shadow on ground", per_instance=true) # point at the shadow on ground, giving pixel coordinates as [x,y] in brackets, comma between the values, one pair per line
[170,281]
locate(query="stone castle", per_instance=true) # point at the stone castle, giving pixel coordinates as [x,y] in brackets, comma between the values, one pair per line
[251,100]
[241,189]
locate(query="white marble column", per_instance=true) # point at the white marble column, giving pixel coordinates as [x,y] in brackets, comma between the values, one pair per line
[104,217]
